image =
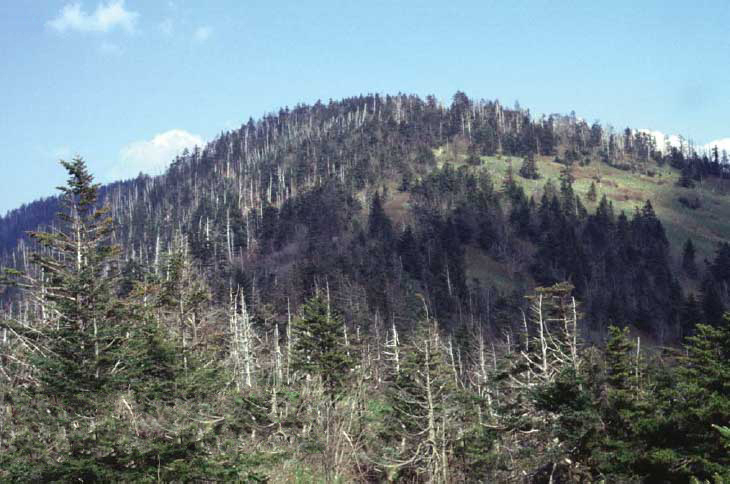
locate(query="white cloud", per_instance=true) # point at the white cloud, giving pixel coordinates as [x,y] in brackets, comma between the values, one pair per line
[153,156]
[202,33]
[662,140]
[677,142]
[722,144]
[106,17]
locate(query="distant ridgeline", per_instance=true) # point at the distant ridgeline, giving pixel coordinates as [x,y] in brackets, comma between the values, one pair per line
[42,213]
[388,199]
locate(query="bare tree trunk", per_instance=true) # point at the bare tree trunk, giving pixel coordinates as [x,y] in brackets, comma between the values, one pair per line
[393,350]
[288,342]
[242,341]
[429,394]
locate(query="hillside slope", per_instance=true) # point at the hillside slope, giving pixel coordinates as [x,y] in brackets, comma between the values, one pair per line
[290,199]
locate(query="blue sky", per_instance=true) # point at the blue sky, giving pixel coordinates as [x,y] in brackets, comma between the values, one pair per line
[128,83]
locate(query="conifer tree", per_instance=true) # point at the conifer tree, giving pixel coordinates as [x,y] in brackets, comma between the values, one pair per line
[408,251]
[689,265]
[379,225]
[721,265]
[529,168]
[621,408]
[181,300]
[473,155]
[87,345]
[77,279]
[704,401]
[423,395]
[319,345]
[691,315]
[604,211]
[567,194]
[620,376]
[685,180]
[97,362]
[712,303]
[592,194]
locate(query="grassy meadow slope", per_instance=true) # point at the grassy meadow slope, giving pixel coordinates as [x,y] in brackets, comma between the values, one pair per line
[707,225]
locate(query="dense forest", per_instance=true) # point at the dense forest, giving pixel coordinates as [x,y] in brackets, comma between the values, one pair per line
[351,292]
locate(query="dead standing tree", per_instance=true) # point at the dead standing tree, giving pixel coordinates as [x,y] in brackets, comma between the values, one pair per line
[550,334]
[423,408]
[242,342]
[549,346]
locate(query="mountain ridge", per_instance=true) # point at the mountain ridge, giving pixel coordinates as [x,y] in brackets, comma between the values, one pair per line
[235,200]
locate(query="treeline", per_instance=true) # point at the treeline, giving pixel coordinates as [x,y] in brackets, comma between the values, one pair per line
[15,224]
[121,371]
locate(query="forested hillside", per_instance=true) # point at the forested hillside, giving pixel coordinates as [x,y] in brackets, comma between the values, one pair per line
[381,288]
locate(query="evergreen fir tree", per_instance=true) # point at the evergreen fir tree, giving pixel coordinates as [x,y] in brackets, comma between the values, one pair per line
[529,168]
[319,345]
[618,454]
[473,158]
[379,225]
[721,265]
[604,211]
[685,179]
[423,396]
[712,304]
[408,251]
[96,358]
[77,281]
[592,195]
[689,265]
[691,315]
[704,389]
[567,194]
